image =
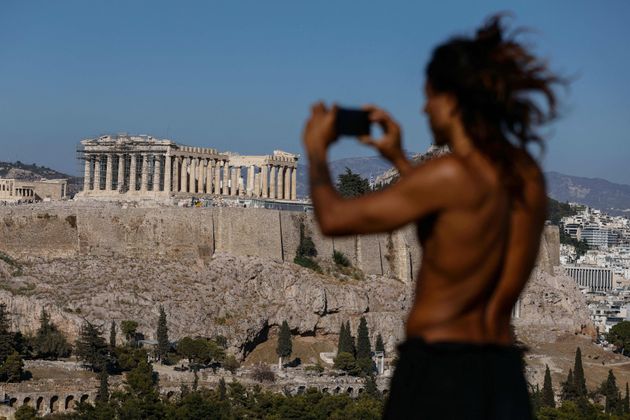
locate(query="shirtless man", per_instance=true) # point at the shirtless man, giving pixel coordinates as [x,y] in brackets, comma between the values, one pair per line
[479,211]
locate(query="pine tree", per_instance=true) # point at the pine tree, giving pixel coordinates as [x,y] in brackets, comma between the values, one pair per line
[129,328]
[626,401]
[578,375]
[13,368]
[284,347]
[350,184]
[548,399]
[49,342]
[91,347]
[112,335]
[379,346]
[364,348]
[6,337]
[163,345]
[103,389]
[142,382]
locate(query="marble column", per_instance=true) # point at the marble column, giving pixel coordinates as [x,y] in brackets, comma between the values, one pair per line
[133,172]
[86,172]
[108,172]
[184,175]
[144,183]
[157,172]
[250,180]
[217,178]
[294,183]
[226,179]
[201,177]
[272,182]
[264,174]
[280,186]
[192,185]
[242,190]
[120,182]
[287,183]
[256,183]
[234,183]
[176,163]
[168,167]
[97,173]
[209,175]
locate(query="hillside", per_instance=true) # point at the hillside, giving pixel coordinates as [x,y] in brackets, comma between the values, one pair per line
[34,172]
[593,192]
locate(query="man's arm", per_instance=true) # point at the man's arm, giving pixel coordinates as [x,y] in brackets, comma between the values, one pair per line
[424,190]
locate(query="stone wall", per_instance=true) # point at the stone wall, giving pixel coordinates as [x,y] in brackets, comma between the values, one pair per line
[108,230]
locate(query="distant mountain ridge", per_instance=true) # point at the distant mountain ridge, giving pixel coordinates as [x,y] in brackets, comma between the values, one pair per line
[594,192]
[598,193]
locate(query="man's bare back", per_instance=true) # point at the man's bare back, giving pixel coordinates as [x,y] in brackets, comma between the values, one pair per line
[477,256]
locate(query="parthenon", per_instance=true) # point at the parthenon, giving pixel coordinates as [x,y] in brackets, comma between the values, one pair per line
[142,166]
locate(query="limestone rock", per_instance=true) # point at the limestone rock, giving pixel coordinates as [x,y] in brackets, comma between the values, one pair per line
[240,298]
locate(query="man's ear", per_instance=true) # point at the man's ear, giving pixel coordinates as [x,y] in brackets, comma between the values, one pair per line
[453,104]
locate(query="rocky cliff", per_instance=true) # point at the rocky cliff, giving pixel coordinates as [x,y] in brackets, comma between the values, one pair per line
[102,266]
[240,298]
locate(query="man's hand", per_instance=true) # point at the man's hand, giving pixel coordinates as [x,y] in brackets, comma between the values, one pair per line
[390,145]
[319,132]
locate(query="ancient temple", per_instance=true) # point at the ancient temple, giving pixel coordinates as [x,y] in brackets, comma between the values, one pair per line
[125,166]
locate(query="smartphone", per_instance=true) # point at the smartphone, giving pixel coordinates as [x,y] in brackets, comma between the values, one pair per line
[352,122]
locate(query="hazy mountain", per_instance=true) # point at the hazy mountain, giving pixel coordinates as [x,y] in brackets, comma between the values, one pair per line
[593,192]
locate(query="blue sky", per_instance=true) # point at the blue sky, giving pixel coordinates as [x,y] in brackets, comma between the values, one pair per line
[240,75]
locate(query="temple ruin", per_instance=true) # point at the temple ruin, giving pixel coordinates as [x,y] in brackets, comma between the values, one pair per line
[21,190]
[137,167]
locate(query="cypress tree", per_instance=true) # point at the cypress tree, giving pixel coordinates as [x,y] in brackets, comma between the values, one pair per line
[547,391]
[6,337]
[364,349]
[578,375]
[379,346]
[371,388]
[112,335]
[163,345]
[626,401]
[568,388]
[352,349]
[222,389]
[103,389]
[284,347]
[611,392]
[342,336]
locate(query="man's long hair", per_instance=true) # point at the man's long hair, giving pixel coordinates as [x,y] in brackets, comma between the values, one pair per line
[500,87]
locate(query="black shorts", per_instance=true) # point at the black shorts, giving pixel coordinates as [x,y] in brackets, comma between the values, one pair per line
[458,381]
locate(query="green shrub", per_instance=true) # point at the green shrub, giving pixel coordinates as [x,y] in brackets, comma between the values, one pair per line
[340,259]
